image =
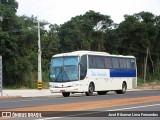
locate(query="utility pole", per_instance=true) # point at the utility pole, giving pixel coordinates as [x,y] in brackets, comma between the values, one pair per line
[39,60]
[1,19]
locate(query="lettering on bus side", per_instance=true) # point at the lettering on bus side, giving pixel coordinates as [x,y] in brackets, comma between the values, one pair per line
[98,73]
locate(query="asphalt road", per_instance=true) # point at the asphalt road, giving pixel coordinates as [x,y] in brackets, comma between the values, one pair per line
[94,114]
[37,101]
[123,112]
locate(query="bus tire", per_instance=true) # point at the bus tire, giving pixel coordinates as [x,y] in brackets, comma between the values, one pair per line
[66,94]
[124,88]
[101,92]
[90,90]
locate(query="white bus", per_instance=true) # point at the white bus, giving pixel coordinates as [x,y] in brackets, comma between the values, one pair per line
[91,71]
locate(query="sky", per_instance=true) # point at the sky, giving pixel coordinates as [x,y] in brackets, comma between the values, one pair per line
[60,11]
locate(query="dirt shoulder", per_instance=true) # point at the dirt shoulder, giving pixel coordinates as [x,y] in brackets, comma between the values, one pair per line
[152,85]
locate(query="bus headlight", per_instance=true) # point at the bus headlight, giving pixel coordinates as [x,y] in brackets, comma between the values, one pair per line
[75,84]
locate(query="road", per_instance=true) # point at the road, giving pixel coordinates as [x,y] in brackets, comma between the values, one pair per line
[148,100]
[38,101]
[124,112]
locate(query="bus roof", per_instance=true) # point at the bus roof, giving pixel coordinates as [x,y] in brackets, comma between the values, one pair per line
[85,52]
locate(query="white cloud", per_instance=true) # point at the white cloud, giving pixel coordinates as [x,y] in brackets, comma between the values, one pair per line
[60,11]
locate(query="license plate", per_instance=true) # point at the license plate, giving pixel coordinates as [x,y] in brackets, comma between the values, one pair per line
[62,91]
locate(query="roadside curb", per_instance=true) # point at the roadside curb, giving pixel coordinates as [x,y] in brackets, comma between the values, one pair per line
[143,89]
[6,97]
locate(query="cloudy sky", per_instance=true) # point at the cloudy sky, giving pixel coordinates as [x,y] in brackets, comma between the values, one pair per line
[60,11]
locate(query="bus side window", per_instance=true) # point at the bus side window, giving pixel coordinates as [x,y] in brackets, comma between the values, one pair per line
[128,61]
[122,62]
[92,61]
[83,67]
[108,62]
[115,62]
[100,62]
[132,63]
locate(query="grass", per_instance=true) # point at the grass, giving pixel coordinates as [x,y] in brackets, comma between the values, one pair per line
[140,82]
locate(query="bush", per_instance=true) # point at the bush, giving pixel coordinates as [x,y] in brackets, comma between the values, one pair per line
[140,81]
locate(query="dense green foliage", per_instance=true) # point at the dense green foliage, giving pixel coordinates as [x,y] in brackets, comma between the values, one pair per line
[138,35]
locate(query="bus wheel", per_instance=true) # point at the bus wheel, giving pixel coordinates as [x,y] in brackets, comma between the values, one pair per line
[101,92]
[66,94]
[90,90]
[124,88]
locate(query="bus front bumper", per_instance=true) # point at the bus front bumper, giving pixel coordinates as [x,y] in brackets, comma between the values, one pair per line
[66,89]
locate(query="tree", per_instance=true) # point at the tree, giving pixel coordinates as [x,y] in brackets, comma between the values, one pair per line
[50,44]
[8,40]
[137,33]
[85,32]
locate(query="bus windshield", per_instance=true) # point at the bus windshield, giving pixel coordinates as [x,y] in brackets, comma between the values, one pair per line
[64,69]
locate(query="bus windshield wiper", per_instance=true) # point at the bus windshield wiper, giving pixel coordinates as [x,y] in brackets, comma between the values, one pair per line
[66,74]
[58,74]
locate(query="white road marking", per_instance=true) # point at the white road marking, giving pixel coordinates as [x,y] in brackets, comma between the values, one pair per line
[127,108]
[49,118]
[133,107]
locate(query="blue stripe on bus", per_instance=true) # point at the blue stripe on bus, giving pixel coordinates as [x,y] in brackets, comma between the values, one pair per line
[122,73]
